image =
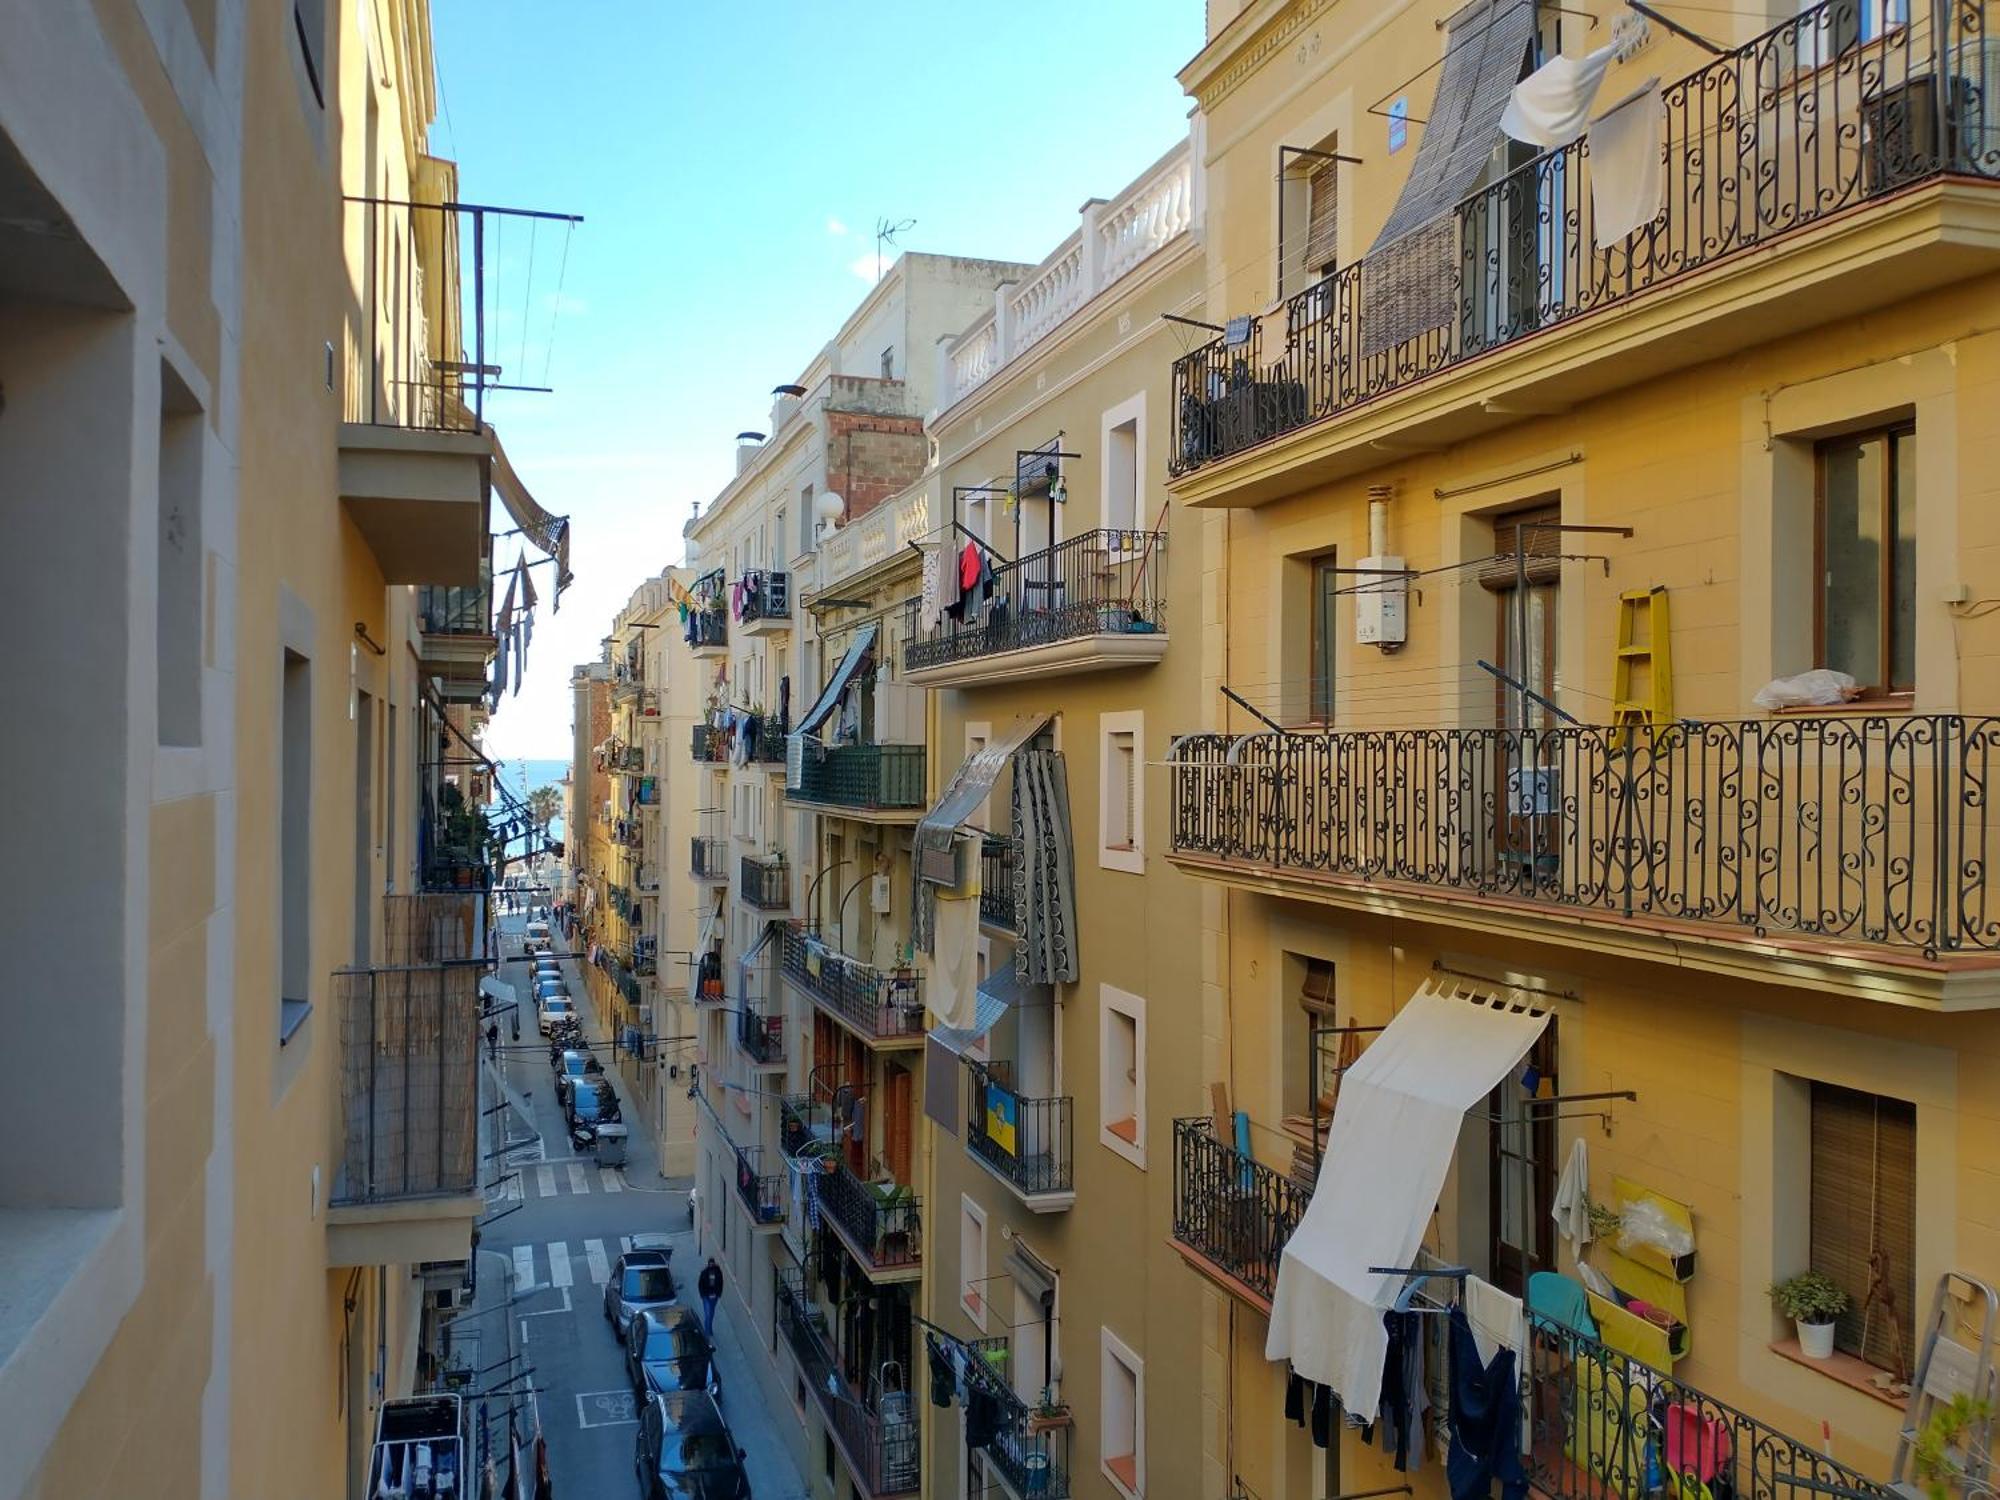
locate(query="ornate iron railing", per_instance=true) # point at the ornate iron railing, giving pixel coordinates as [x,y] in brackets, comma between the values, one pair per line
[999,860]
[883,1006]
[707,628]
[876,1429]
[1099,583]
[1231,1209]
[708,857]
[888,1228]
[766,596]
[763,1193]
[765,882]
[761,1037]
[1033,1458]
[768,748]
[1605,1426]
[1026,1141]
[1866,829]
[877,778]
[1808,120]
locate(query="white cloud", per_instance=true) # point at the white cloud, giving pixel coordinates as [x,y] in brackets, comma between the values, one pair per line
[834,226]
[868,267]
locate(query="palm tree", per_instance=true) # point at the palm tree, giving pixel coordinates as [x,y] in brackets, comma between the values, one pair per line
[545,805]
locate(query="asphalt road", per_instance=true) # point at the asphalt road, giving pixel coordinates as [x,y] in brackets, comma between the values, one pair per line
[555,1224]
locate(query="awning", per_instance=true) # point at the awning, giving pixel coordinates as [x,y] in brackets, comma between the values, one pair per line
[970,786]
[743,964]
[837,684]
[498,991]
[550,533]
[998,993]
[1394,1130]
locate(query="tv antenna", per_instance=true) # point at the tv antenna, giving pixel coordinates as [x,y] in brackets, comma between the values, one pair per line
[886,231]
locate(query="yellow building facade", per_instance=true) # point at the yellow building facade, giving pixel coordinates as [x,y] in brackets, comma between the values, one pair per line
[1451,541]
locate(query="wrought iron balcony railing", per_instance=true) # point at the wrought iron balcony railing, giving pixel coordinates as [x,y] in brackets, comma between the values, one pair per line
[705,979]
[877,1432]
[1868,829]
[763,1193]
[879,1005]
[708,857]
[1100,583]
[876,778]
[409,1082]
[768,748]
[1230,1209]
[1027,1142]
[999,861]
[1596,1418]
[765,882]
[444,609]
[710,745]
[1808,120]
[766,595]
[761,1037]
[1034,1458]
[885,1222]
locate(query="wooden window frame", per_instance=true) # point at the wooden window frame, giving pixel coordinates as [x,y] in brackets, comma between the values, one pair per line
[1892,435]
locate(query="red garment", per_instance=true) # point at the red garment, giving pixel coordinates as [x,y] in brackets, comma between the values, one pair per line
[968,567]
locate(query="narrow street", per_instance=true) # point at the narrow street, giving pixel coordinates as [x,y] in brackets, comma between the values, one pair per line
[564,1220]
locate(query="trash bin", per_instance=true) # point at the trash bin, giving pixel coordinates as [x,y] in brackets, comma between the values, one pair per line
[610,1146]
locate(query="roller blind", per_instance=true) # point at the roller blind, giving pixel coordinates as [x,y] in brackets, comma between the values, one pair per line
[1864,1180]
[1323,218]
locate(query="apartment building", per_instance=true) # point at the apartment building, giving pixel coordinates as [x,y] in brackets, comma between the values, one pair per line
[217,1276]
[1524,471]
[1058,640]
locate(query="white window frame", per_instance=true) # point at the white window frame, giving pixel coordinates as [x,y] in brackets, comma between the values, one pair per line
[972,1290]
[1112,1003]
[1131,859]
[1115,1356]
[1132,410]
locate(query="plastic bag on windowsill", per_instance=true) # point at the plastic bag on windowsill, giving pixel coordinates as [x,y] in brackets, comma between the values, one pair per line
[1819,688]
[1646,1223]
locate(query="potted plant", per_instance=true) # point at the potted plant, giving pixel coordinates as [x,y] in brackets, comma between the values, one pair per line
[1049,1413]
[1811,1300]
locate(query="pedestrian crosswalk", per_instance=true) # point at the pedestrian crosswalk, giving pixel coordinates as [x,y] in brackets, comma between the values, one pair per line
[556,1264]
[559,1179]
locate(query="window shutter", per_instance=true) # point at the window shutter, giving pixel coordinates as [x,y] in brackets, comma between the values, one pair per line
[1323,218]
[1544,548]
[1864,1174]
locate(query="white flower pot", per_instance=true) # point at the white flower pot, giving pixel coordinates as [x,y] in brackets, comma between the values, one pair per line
[1816,1340]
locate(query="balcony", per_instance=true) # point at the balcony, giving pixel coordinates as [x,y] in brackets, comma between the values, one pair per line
[406,1188]
[455,641]
[880,1222]
[761,1037]
[709,857]
[418,498]
[1032,1456]
[707,624]
[1809,181]
[1093,603]
[999,862]
[705,980]
[628,680]
[1232,1214]
[1026,1143]
[885,1009]
[765,882]
[872,782]
[763,1193]
[1851,850]
[768,748]
[765,604]
[710,745]
[878,1440]
[621,760]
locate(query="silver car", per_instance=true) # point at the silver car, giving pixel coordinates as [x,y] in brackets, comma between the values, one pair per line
[641,1280]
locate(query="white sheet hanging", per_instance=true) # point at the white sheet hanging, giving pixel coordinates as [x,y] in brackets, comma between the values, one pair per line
[955,973]
[1387,1153]
[1627,176]
[1551,106]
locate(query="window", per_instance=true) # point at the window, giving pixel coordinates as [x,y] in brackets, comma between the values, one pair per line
[972,1261]
[1121,803]
[1322,245]
[309,17]
[1122,1414]
[178,632]
[389,799]
[806,519]
[1867,550]
[295,845]
[1124,450]
[1521,1173]
[889,364]
[364,829]
[1121,1084]
[1325,618]
[1864,1215]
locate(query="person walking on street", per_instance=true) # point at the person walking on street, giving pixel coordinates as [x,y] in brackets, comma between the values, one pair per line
[492,1040]
[709,1284]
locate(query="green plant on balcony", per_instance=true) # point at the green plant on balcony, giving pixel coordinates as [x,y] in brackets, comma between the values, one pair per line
[1946,1446]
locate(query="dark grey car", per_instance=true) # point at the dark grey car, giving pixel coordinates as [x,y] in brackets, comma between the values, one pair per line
[641,1279]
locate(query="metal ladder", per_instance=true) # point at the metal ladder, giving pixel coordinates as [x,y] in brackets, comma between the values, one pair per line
[1947,1367]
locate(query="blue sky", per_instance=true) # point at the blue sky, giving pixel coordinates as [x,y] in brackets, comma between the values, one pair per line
[730,161]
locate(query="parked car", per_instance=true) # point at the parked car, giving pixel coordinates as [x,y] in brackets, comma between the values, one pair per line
[642,1279]
[685,1450]
[538,937]
[665,1350]
[548,968]
[554,1009]
[572,1064]
[591,1103]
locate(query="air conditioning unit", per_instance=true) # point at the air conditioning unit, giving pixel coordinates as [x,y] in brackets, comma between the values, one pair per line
[949,867]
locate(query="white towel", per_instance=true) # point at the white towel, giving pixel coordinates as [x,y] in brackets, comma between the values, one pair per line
[1627,179]
[1572,1206]
[1551,106]
[1498,1321]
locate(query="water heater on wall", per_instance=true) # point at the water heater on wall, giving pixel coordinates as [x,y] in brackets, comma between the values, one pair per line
[1381,605]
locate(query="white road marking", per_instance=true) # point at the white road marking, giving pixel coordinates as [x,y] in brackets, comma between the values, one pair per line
[610,1179]
[545,1182]
[559,1271]
[604,1409]
[600,1267]
[524,1266]
[578,1183]
[514,1193]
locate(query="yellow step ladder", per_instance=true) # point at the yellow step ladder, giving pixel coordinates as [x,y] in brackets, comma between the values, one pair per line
[1652,705]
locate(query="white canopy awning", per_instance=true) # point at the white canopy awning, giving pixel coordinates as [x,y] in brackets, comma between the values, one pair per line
[1394,1130]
